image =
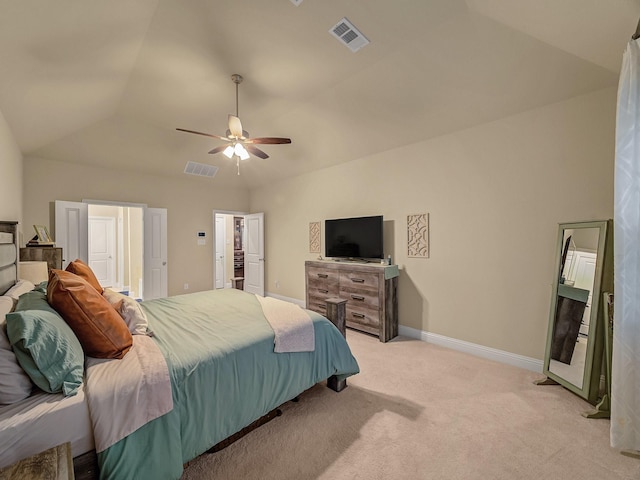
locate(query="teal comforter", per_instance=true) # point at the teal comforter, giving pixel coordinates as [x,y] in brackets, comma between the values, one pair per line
[224,375]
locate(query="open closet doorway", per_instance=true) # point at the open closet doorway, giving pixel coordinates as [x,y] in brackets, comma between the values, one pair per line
[238,251]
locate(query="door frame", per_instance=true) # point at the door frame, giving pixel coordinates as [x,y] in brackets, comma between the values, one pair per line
[215,250]
[82,253]
[235,213]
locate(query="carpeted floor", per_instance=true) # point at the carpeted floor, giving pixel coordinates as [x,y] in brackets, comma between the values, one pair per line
[419,411]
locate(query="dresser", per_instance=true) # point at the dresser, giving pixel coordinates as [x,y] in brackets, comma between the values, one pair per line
[51,255]
[369,289]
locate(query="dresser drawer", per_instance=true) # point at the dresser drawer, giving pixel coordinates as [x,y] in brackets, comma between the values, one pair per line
[317,301]
[363,318]
[317,305]
[357,280]
[361,298]
[323,290]
[322,276]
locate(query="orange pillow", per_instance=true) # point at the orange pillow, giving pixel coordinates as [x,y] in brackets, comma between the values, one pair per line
[83,270]
[99,328]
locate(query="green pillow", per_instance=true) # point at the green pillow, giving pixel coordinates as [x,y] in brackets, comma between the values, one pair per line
[47,349]
[34,300]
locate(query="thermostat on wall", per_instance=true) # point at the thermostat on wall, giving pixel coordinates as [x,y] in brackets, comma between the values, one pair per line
[202,238]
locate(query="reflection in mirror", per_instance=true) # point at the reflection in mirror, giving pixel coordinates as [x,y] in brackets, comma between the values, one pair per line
[574,343]
[573,303]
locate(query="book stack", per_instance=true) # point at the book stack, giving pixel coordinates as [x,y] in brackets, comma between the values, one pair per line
[34,242]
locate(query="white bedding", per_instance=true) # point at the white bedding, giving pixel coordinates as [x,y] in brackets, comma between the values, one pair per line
[42,421]
[291,325]
[124,395]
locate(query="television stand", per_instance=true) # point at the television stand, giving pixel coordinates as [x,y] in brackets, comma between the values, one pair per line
[370,291]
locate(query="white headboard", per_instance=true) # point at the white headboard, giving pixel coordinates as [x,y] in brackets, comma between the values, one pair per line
[8,255]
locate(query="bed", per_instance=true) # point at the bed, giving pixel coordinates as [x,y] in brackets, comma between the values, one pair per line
[224,375]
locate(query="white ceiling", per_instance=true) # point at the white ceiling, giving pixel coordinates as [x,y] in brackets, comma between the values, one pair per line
[107,82]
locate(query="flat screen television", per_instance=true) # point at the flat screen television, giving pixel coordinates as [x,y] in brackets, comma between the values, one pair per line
[359,237]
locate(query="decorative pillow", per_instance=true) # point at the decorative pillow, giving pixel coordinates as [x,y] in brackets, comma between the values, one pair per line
[83,270]
[21,286]
[47,350]
[15,384]
[99,328]
[130,311]
[6,305]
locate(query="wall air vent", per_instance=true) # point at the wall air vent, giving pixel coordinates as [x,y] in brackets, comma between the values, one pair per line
[349,35]
[200,169]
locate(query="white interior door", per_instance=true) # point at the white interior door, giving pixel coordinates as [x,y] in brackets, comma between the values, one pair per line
[72,227]
[155,253]
[220,250]
[254,254]
[102,250]
[583,277]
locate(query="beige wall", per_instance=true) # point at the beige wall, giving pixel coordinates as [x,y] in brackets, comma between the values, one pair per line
[189,203]
[495,194]
[11,178]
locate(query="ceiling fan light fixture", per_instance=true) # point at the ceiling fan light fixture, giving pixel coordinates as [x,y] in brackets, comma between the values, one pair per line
[241,151]
[236,137]
[228,152]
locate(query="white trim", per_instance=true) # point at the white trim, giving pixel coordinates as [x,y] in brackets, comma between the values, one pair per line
[113,203]
[286,299]
[501,356]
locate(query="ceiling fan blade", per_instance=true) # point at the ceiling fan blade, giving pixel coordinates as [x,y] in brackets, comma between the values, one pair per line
[219,149]
[268,140]
[256,151]
[235,126]
[205,134]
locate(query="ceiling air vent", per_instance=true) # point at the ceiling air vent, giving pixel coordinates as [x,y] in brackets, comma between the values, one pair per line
[349,35]
[200,169]
[296,2]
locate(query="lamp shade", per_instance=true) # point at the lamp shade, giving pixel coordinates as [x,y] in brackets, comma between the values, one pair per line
[35,272]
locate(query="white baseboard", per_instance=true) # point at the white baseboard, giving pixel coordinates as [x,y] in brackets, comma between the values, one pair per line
[501,356]
[473,349]
[286,299]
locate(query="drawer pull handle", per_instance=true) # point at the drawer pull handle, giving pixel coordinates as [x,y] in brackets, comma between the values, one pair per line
[323,291]
[358,280]
[323,275]
[321,305]
[357,297]
[358,315]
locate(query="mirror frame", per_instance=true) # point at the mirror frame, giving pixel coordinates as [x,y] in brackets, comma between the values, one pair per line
[603,281]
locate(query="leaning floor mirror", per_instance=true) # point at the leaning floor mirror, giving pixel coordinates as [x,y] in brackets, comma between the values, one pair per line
[575,337]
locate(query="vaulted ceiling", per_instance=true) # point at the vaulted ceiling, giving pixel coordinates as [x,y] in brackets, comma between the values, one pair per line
[107,82]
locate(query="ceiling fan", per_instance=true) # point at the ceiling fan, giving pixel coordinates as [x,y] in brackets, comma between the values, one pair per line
[238,143]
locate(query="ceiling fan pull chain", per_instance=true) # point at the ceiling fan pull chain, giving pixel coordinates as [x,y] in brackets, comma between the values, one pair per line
[238,164]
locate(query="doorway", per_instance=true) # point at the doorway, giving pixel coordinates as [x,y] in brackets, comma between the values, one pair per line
[239,251]
[229,250]
[115,247]
[130,256]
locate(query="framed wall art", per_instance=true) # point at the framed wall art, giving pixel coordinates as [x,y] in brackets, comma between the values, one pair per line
[314,237]
[418,235]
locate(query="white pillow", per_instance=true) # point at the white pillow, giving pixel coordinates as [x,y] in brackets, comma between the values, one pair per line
[21,286]
[130,311]
[15,384]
